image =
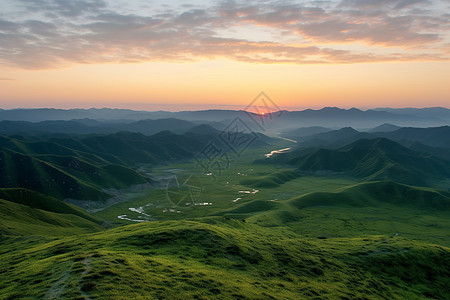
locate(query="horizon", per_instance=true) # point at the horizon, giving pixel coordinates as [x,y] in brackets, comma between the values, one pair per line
[222,109]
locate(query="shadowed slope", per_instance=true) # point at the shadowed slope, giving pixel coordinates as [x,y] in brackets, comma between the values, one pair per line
[375,194]
[376,159]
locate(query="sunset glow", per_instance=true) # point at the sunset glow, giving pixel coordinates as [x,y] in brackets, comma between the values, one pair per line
[350,53]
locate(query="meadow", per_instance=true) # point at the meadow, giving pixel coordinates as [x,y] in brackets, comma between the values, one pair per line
[255,231]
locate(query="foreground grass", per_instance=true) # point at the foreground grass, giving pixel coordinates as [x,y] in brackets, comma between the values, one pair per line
[220,258]
[297,237]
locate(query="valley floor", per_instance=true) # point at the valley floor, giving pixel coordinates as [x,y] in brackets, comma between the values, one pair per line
[255,231]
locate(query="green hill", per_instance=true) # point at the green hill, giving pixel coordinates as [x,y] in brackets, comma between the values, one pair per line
[432,136]
[271,180]
[40,201]
[374,208]
[377,193]
[333,138]
[22,220]
[302,132]
[81,167]
[372,160]
[340,239]
[67,177]
[27,212]
[221,259]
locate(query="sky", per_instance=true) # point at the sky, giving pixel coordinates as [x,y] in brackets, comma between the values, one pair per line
[178,55]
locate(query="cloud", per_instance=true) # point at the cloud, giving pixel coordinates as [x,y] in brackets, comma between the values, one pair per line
[57,33]
[7,79]
[382,4]
[365,21]
[64,8]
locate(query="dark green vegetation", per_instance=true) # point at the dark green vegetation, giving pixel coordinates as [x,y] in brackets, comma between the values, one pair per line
[435,136]
[375,193]
[271,180]
[371,160]
[432,137]
[25,212]
[334,223]
[81,168]
[89,126]
[44,202]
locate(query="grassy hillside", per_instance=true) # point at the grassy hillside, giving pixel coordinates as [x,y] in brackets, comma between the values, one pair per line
[377,193]
[432,136]
[386,208]
[371,160]
[256,232]
[40,201]
[302,132]
[90,126]
[81,167]
[221,259]
[22,220]
[62,177]
[27,212]
[271,180]
[333,138]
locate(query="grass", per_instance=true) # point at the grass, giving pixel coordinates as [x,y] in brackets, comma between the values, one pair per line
[219,258]
[21,220]
[298,237]
[272,180]
[373,160]
[37,200]
[224,190]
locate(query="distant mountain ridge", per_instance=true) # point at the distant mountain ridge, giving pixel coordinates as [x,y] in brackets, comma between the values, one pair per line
[435,112]
[89,126]
[436,137]
[386,127]
[328,117]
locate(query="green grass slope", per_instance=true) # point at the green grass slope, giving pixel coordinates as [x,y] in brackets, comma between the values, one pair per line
[76,179]
[40,201]
[27,212]
[22,220]
[220,259]
[373,160]
[374,208]
[131,148]
[271,180]
[432,136]
[377,193]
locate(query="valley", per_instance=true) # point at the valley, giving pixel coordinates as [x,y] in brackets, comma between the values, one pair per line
[103,216]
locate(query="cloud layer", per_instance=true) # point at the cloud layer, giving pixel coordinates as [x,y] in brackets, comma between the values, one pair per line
[38,34]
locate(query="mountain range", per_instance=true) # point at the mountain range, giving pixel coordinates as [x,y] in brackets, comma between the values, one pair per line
[371,160]
[90,126]
[432,140]
[356,208]
[81,167]
[331,117]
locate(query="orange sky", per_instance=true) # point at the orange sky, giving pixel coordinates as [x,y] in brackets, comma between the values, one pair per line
[301,56]
[220,83]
